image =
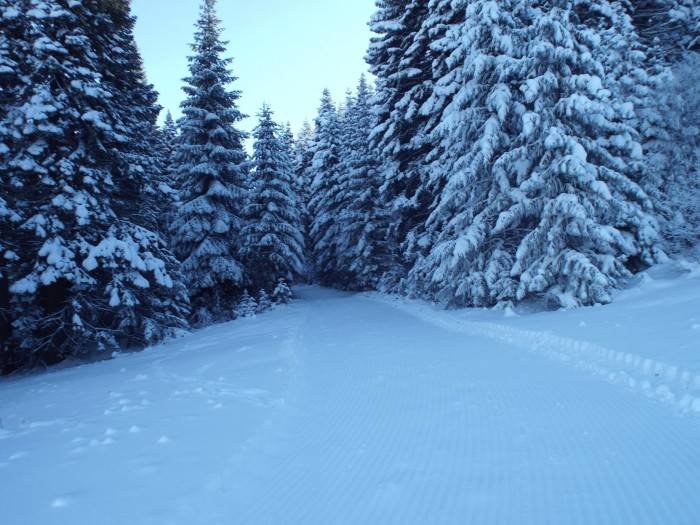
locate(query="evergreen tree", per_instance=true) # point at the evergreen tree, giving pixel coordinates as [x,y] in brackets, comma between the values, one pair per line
[362,224]
[400,58]
[88,279]
[676,156]
[576,195]
[303,157]
[477,102]
[273,239]
[14,57]
[548,199]
[667,28]
[685,15]
[169,135]
[282,293]
[247,307]
[264,302]
[212,174]
[324,173]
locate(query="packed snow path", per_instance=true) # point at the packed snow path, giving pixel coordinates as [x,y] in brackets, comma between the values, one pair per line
[341,409]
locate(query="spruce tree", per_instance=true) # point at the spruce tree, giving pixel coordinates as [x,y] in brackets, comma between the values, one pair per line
[273,240]
[88,279]
[685,15]
[169,134]
[324,173]
[544,192]
[282,293]
[576,209]
[476,99]
[14,84]
[247,306]
[303,158]
[401,59]
[362,223]
[212,174]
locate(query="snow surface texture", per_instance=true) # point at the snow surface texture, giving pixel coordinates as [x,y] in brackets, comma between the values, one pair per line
[356,409]
[648,341]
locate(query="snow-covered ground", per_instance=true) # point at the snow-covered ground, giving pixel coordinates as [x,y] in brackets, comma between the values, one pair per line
[354,409]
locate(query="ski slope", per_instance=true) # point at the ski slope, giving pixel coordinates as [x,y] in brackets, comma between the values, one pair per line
[362,409]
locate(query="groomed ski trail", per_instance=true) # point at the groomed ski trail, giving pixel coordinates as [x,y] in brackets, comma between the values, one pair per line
[342,409]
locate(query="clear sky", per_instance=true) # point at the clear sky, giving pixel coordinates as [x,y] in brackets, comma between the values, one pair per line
[285,51]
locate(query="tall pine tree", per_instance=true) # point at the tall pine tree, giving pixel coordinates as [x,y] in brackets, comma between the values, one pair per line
[362,223]
[14,84]
[88,280]
[324,174]
[212,171]
[400,58]
[273,239]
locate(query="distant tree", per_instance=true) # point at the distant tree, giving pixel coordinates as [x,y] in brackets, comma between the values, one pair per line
[303,157]
[273,239]
[264,302]
[324,173]
[169,135]
[247,307]
[282,293]
[362,254]
[212,172]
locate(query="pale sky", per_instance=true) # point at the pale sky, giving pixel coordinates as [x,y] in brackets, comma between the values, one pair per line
[285,51]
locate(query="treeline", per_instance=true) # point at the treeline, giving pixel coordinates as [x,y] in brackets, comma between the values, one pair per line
[509,151]
[114,233]
[522,150]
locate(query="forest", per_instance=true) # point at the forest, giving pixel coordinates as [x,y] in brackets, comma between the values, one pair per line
[499,153]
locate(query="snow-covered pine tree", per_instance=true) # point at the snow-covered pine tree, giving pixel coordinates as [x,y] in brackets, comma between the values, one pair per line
[362,223]
[303,157]
[667,28]
[400,58]
[273,242]
[211,169]
[676,155]
[685,15]
[282,293]
[143,198]
[166,149]
[654,26]
[323,173]
[247,306]
[576,213]
[14,58]
[169,134]
[142,195]
[299,187]
[264,302]
[87,280]
[547,201]
[476,100]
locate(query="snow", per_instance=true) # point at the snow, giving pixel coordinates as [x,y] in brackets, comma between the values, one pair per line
[365,408]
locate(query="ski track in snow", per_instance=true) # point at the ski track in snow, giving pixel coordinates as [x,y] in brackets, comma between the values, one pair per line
[668,383]
[350,409]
